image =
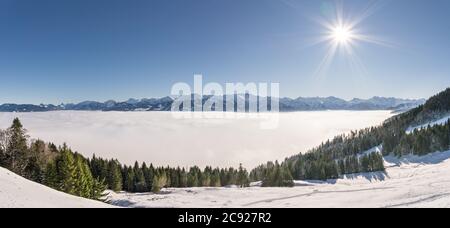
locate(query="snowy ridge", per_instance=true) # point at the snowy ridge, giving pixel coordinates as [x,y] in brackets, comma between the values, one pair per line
[441,121]
[410,181]
[165,103]
[18,192]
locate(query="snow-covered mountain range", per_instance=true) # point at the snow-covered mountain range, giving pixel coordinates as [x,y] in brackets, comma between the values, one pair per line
[286,104]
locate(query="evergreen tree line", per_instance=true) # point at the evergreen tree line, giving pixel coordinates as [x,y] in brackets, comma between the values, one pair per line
[423,141]
[64,170]
[307,167]
[436,107]
[273,175]
[69,172]
[342,155]
[58,168]
[147,178]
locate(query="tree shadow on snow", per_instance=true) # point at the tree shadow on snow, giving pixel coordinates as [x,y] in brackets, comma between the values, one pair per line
[374,176]
[121,203]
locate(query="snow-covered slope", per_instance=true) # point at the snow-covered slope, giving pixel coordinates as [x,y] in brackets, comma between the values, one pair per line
[441,121]
[409,182]
[16,191]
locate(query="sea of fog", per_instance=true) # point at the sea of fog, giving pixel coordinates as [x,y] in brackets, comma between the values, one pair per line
[161,139]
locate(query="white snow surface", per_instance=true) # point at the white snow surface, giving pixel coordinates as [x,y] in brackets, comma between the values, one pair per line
[158,138]
[18,192]
[408,182]
[441,121]
[377,149]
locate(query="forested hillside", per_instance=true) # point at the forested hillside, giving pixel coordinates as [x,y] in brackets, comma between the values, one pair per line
[343,154]
[59,168]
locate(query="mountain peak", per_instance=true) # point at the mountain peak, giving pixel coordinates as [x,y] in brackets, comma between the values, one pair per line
[286,104]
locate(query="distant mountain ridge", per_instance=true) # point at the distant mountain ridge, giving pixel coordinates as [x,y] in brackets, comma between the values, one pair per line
[286,104]
[334,103]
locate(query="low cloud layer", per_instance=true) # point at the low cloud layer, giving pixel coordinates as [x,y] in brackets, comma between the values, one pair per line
[158,138]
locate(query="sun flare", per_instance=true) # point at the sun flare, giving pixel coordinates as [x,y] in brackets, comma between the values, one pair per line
[342,34]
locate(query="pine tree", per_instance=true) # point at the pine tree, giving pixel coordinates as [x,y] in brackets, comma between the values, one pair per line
[192,177]
[16,148]
[114,179]
[342,169]
[85,180]
[33,170]
[231,177]
[205,177]
[51,178]
[95,166]
[148,175]
[139,179]
[124,171]
[183,178]
[332,170]
[243,180]
[215,178]
[286,177]
[39,155]
[65,165]
[130,180]
[98,189]
[299,167]
[364,164]
[174,177]
[378,162]
[159,181]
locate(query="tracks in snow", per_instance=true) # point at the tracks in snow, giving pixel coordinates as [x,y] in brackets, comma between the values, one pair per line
[313,193]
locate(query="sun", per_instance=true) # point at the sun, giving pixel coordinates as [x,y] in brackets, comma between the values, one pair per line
[342,34]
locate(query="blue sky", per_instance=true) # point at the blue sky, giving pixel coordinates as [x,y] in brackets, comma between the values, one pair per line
[54,51]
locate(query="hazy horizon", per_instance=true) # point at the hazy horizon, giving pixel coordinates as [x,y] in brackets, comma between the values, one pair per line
[140,98]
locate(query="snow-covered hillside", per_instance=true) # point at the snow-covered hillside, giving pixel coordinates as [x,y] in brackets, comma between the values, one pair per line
[441,121]
[409,182]
[17,192]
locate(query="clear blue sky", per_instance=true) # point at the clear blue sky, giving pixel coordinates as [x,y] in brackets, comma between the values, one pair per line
[54,51]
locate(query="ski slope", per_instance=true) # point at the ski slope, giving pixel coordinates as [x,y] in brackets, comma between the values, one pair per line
[18,192]
[408,182]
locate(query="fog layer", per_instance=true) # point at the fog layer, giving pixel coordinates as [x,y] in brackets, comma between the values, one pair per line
[159,138]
